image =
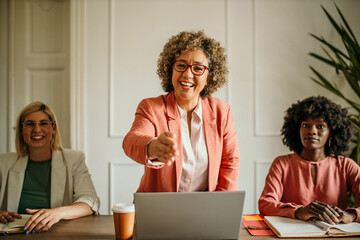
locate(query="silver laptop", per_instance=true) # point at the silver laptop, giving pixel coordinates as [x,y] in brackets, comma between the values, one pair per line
[188,215]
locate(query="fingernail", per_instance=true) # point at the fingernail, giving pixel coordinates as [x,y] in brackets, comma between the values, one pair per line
[27,232]
[5,221]
[32,231]
[39,231]
[24,228]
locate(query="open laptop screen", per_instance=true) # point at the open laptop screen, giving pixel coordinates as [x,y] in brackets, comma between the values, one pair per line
[189,215]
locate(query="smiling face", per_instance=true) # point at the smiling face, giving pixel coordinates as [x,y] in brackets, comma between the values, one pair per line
[38,137]
[314,133]
[187,86]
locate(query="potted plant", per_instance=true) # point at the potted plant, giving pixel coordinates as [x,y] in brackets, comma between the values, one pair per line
[346,63]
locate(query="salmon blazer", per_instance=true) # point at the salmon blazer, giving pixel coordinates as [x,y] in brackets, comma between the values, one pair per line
[156,115]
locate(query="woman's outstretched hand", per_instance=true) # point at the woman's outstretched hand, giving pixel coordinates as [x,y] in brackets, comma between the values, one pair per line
[164,148]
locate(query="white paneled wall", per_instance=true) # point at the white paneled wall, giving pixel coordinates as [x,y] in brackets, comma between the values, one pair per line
[117,173]
[267,44]
[115,45]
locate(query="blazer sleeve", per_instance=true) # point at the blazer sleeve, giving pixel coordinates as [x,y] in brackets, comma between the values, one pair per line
[143,130]
[270,199]
[84,190]
[230,158]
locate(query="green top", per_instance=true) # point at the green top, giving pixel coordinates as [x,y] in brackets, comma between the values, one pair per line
[35,193]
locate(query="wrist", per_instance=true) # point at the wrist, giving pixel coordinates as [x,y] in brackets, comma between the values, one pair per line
[148,151]
[59,212]
[352,213]
[297,212]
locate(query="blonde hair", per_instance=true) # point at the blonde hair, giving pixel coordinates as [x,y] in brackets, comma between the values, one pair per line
[21,146]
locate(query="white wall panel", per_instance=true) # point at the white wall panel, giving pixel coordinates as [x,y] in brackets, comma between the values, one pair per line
[261,170]
[45,24]
[50,85]
[124,180]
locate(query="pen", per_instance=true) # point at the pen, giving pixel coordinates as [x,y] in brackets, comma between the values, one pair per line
[258,228]
[6,227]
[316,224]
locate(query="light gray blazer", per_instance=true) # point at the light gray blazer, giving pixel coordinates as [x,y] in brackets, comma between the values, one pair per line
[70,180]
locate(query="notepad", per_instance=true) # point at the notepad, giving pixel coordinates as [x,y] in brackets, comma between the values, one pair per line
[17,226]
[288,227]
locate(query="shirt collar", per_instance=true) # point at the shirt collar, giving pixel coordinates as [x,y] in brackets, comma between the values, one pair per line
[197,110]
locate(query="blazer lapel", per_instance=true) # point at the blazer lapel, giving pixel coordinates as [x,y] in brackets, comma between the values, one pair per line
[173,119]
[209,122]
[16,180]
[58,178]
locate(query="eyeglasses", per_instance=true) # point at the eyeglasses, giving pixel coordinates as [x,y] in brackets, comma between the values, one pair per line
[196,69]
[43,124]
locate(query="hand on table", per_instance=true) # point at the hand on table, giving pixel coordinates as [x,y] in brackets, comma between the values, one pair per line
[41,219]
[319,210]
[344,216]
[6,216]
[164,148]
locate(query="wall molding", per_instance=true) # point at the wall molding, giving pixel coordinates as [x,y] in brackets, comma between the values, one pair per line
[77,75]
[111,180]
[260,175]
[11,112]
[257,131]
[227,46]
[111,132]
[5,126]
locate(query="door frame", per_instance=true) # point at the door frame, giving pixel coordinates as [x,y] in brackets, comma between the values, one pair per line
[5,67]
[77,83]
[77,75]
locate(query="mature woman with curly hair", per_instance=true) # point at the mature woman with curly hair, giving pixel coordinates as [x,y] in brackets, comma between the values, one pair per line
[186,139]
[313,182]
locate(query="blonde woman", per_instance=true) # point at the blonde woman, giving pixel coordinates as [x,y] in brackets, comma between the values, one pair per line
[42,178]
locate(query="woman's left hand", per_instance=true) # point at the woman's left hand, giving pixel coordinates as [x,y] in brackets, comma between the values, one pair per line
[41,219]
[345,217]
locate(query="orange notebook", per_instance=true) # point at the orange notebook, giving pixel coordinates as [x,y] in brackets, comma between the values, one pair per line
[255,225]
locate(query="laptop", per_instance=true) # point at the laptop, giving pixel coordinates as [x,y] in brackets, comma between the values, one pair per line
[188,215]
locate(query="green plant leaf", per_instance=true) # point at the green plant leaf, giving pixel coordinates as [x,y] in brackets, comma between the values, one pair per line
[346,23]
[334,49]
[342,32]
[325,60]
[348,63]
[332,87]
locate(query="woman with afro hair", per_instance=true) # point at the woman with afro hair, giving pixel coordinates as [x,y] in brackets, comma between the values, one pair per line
[314,181]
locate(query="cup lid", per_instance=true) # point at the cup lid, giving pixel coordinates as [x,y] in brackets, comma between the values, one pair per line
[123,207]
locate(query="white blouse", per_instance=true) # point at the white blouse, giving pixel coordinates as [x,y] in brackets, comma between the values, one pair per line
[195,164]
